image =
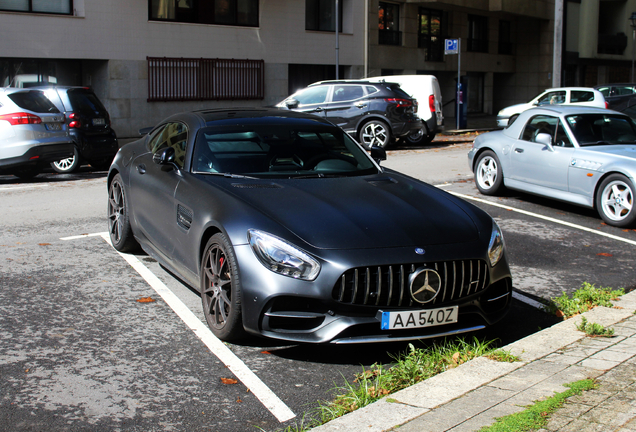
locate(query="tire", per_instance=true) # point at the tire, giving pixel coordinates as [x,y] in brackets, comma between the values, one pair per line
[375,133]
[26,173]
[220,289]
[421,137]
[119,229]
[68,165]
[488,174]
[615,201]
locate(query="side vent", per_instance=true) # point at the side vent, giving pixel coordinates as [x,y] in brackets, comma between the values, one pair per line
[184,217]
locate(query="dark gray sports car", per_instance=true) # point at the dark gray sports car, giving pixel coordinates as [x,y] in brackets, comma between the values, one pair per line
[290,230]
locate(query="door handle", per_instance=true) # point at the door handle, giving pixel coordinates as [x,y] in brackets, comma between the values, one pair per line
[141,168]
[318,109]
[360,105]
[518,150]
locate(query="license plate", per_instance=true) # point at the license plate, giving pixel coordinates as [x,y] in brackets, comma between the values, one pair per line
[99,122]
[418,319]
[53,126]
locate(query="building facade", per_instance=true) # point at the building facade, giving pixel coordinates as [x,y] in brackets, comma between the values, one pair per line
[147,59]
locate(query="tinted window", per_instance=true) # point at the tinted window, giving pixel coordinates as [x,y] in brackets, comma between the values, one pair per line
[33,101]
[599,129]
[347,93]
[582,96]
[312,95]
[280,150]
[173,135]
[85,101]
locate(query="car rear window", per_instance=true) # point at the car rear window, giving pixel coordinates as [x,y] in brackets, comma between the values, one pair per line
[85,101]
[399,92]
[33,101]
[582,96]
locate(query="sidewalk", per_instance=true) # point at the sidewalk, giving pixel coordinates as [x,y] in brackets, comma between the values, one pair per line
[474,394]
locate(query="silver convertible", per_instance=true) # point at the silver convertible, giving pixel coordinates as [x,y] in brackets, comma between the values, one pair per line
[585,156]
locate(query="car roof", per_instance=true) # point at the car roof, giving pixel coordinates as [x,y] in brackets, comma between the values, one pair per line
[60,87]
[223,114]
[569,88]
[352,81]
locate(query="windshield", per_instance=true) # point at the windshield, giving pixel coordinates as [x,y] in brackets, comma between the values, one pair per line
[280,151]
[602,129]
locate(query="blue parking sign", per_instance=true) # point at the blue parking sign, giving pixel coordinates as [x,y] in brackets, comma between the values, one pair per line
[451,46]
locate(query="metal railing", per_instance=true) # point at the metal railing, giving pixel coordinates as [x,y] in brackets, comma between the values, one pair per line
[188,79]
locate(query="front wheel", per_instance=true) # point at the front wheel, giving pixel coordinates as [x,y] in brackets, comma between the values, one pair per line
[67,165]
[119,229]
[375,133]
[488,173]
[615,201]
[220,289]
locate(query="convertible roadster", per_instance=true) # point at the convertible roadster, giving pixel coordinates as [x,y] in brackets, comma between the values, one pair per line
[291,230]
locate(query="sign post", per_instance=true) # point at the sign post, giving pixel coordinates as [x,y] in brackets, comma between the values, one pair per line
[451,47]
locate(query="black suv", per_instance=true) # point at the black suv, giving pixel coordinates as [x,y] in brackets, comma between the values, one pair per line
[89,126]
[374,113]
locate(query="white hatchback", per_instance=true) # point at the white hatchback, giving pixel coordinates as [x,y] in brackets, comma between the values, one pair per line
[580,96]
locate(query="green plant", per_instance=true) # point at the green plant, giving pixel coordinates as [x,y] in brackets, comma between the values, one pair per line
[536,416]
[582,300]
[594,329]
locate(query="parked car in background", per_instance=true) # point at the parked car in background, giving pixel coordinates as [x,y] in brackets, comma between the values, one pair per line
[290,230]
[33,132]
[617,96]
[581,96]
[89,126]
[425,89]
[374,113]
[582,155]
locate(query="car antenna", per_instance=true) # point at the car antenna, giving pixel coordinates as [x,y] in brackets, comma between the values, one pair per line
[15,76]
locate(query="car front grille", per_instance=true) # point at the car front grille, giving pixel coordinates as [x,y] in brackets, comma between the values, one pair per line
[388,285]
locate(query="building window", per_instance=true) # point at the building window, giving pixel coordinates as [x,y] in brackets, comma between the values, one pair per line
[320,15]
[430,34]
[505,38]
[182,79]
[64,7]
[389,16]
[477,33]
[224,12]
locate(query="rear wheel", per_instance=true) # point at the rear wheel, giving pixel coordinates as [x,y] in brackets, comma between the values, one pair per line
[67,165]
[615,201]
[375,133]
[420,137]
[221,289]
[488,173]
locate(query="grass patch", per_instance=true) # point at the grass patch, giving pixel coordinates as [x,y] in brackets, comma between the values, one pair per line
[411,367]
[582,300]
[594,329]
[536,416]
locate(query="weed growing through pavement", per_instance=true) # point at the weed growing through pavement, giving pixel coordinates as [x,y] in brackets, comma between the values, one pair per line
[594,329]
[536,416]
[582,300]
[411,367]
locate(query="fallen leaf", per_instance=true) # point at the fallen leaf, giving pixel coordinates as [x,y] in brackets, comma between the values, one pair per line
[559,314]
[456,357]
[604,254]
[44,244]
[228,381]
[265,352]
[146,300]
[238,400]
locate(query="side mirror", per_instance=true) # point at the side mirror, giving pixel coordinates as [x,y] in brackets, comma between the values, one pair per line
[291,104]
[144,131]
[544,138]
[164,156]
[378,154]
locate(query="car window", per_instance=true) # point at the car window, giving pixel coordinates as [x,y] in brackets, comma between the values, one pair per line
[605,91]
[280,151]
[562,139]
[552,98]
[602,129]
[371,90]
[34,101]
[342,93]
[623,90]
[539,124]
[173,135]
[581,96]
[312,95]
[84,101]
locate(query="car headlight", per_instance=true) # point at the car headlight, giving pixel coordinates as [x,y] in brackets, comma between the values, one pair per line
[496,245]
[281,257]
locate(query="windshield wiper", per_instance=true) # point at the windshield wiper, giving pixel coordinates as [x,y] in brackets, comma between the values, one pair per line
[228,175]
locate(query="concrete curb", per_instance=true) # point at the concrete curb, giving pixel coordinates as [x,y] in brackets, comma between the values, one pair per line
[496,381]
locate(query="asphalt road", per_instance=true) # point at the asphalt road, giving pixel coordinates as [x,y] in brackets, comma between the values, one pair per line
[80,351]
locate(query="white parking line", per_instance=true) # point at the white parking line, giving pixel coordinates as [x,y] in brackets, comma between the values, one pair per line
[276,406]
[10,188]
[536,215]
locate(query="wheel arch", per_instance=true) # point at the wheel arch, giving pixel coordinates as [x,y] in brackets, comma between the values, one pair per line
[370,117]
[597,185]
[478,153]
[207,234]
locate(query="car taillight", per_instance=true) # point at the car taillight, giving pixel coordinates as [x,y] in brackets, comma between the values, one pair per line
[74,123]
[431,103]
[21,118]
[400,102]
[606,105]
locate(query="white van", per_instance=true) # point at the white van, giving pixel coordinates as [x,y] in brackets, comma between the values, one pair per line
[425,89]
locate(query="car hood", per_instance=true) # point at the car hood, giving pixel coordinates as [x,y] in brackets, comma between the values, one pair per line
[360,212]
[620,150]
